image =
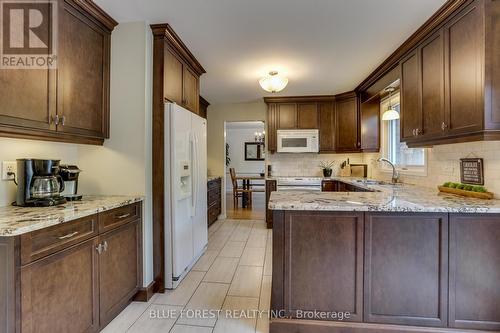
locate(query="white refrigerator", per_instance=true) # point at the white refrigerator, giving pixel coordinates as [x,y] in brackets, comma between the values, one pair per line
[186,231]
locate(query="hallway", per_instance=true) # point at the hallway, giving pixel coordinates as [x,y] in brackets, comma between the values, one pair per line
[234,274]
[257,211]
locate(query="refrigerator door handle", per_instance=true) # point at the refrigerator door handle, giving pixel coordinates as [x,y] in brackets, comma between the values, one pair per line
[195,173]
[192,153]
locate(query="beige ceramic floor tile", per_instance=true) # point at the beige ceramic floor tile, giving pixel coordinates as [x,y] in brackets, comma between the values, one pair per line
[242,232]
[181,294]
[253,256]
[126,318]
[156,319]
[206,260]
[257,240]
[208,296]
[268,264]
[232,249]
[237,325]
[265,294]
[262,324]
[222,270]
[246,282]
[190,329]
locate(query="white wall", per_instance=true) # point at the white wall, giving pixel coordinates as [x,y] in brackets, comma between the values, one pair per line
[12,149]
[123,164]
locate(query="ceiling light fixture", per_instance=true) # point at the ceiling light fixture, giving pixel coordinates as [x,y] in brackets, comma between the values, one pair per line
[390,113]
[273,83]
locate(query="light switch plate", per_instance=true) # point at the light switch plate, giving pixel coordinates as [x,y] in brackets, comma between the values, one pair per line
[8,166]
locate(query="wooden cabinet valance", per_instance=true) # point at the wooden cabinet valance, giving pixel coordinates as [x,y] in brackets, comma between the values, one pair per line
[70,103]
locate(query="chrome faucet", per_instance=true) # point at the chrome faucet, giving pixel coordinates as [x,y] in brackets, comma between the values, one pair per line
[395,174]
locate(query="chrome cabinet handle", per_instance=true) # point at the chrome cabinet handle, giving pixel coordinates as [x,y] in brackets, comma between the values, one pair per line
[55,119]
[99,248]
[418,131]
[414,133]
[105,246]
[63,120]
[69,235]
[444,126]
[122,216]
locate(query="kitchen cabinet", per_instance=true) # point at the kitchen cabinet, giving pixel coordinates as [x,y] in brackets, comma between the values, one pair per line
[214,200]
[203,107]
[74,276]
[176,72]
[448,88]
[406,269]
[307,116]
[271,186]
[474,270]
[72,103]
[370,125]
[326,114]
[287,115]
[120,253]
[322,275]
[347,123]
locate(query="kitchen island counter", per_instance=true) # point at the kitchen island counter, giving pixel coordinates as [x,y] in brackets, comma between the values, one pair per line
[20,220]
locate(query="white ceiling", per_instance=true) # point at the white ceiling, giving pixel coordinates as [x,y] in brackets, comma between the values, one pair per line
[323,46]
[236,125]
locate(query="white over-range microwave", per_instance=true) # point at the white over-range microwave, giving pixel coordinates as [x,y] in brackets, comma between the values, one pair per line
[298,141]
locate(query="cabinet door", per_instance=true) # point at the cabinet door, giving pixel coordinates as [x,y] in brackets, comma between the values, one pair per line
[287,115]
[326,112]
[83,74]
[307,116]
[272,124]
[27,98]
[325,274]
[190,90]
[347,125]
[474,271]
[432,63]
[463,45]
[59,292]
[172,77]
[121,254]
[411,114]
[270,187]
[406,269]
[370,125]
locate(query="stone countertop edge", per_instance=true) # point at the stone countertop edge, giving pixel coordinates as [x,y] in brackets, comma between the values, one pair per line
[15,221]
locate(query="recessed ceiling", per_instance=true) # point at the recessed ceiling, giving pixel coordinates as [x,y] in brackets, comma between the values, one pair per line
[322,46]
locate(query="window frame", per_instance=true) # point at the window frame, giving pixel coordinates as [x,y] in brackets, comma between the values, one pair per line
[411,170]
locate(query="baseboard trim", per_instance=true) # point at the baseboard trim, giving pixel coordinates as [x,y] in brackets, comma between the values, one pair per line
[145,293]
[311,326]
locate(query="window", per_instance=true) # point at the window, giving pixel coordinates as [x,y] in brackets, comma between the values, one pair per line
[407,160]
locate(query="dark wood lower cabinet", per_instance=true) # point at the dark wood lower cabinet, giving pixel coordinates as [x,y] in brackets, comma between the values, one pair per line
[406,269]
[214,200]
[59,292]
[78,281]
[271,186]
[394,272]
[475,272]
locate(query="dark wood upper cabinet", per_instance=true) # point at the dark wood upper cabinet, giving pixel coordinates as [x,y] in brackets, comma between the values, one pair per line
[307,115]
[272,127]
[204,104]
[172,77]
[326,113]
[411,115]
[474,274]
[347,123]
[70,103]
[406,269]
[176,72]
[287,115]
[370,125]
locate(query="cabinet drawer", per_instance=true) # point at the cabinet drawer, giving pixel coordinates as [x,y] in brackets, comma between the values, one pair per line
[213,197]
[41,243]
[213,184]
[119,216]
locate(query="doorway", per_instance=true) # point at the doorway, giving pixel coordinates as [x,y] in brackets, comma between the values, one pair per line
[244,147]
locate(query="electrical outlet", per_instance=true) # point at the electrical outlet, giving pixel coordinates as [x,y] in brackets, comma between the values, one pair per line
[8,166]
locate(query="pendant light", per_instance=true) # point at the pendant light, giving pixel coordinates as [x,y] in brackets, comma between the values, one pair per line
[274,82]
[390,113]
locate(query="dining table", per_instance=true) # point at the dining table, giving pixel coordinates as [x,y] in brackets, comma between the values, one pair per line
[246,181]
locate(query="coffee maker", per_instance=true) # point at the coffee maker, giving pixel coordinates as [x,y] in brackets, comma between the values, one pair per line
[69,174]
[39,183]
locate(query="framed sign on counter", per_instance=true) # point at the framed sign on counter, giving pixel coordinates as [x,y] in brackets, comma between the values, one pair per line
[471,171]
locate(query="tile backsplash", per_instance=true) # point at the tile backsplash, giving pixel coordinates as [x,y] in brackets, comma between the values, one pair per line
[443,164]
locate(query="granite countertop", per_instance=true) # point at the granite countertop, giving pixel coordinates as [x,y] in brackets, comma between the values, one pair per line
[210,178]
[384,198]
[19,220]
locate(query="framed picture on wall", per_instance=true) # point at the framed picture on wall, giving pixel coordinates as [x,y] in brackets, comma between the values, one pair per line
[254,151]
